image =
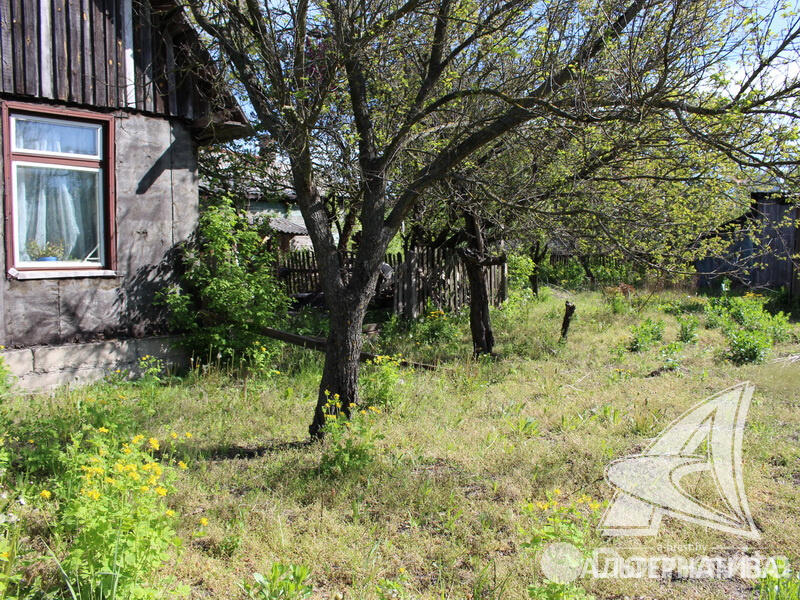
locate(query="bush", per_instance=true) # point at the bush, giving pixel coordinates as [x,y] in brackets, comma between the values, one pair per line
[520,268]
[645,335]
[228,289]
[112,510]
[379,379]
[747,346]
[750,329]
[688,326]
[567,274]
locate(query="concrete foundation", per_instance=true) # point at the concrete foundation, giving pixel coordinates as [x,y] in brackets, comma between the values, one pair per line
[40,368]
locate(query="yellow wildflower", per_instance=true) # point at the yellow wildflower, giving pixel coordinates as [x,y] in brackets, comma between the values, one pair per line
[203,521]
[144,489]
[152,480]
[5,555]
[173,435]
[182,465]
[137,438]
[170,513]
[187,434]
[557,491]
[102,430]
[153,443]
[46,494]
[93,494]
[161,491]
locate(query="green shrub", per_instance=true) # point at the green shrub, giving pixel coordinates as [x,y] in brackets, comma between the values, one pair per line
[687,332]
[520,268]
[113,514]
[227,290]
[670,355]
[645,335]
[750,329]
[378,381]
[567,274]
[283,582]
[745,346]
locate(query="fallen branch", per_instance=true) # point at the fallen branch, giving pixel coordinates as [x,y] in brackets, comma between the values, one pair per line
[320,344]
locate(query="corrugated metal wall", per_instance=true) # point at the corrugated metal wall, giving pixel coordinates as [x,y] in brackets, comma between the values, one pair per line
[82,51]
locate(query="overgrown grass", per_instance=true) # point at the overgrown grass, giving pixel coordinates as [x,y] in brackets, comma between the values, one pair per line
[464,463]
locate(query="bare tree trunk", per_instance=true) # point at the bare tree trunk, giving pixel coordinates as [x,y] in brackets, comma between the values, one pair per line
[480,322]
[339,383]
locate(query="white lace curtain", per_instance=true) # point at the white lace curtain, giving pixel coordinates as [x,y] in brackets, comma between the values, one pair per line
[56,205]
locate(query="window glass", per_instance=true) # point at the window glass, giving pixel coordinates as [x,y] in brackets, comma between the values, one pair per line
[58,214]
[46,135]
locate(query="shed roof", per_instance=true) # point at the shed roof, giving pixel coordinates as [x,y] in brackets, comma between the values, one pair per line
[282,225]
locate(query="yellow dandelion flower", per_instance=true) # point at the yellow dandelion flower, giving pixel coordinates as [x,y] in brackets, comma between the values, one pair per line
[153,443]
[557,491]
[170,513]
[102,430]
[188,434]
[182,465]
[161,491]
[203,521]
[173,435]
[46,494]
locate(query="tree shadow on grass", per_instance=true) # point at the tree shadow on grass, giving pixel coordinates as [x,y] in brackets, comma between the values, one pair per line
[246,451]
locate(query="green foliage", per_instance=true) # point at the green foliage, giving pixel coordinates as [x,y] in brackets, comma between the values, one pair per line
[687,329]
[618,303]
[283,582]
[520,268]
[645,335]
[750,330]
[557,520]
[349,444]
[689,305]
[778,588]
[670,355]
[6,377]
[228,289]
[567,274]
[112,510]
[10,530]
[378,381]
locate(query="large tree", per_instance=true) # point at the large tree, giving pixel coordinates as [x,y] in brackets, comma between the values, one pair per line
[409,90]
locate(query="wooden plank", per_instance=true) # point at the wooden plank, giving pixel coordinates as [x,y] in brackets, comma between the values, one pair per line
[172,87]
[98,22]
[87,52]
[60,49]
[18,45]
[6,44]
[128,75]
[30,9]
[74,49]
[120,17]
[159,50]
[109,17]
[46,48]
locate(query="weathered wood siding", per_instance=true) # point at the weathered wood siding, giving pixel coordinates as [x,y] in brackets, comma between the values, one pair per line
[135,54]
[156,208]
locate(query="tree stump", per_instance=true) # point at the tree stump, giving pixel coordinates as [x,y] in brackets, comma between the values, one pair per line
[569,310]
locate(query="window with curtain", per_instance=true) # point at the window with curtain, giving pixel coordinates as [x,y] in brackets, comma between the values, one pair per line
[58,198]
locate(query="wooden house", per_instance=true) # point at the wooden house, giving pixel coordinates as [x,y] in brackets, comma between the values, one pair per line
[104,103]
[765,246]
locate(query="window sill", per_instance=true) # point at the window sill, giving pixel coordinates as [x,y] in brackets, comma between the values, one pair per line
[60,274]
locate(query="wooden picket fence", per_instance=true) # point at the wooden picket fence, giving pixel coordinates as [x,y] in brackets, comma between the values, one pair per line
[424,276]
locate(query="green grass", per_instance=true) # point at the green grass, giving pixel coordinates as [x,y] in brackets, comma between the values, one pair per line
[440,512]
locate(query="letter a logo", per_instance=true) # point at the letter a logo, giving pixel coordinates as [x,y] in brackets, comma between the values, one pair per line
[706,438]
